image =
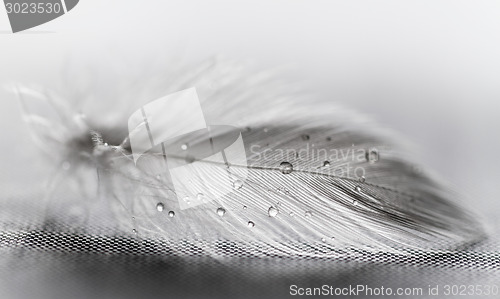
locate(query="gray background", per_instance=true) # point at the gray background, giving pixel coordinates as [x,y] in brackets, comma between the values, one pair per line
[426,69]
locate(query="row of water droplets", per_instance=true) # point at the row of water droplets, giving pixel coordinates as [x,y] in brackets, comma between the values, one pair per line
[285,168]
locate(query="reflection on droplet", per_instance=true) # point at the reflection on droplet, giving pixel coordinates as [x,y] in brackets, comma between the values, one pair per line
[171,213]
[160,207]
[362,179]
[272,212]
[357,189]
[237,184]
[250,224]
[372,156]
[66,165]
[221,212]
[184,147]
[308,214]
[286,167]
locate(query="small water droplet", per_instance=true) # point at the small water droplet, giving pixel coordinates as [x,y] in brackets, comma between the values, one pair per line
[292,214]
[372,156]
[326,163]
[184,147]
[357,189]
[305,137]
[266,130]
[134,231]
[237,184]
[323,240]
[286,167]
[244,207]
[273,212]
[160,207]
[158,176]
[200,196]
[362,179]
[105,144]
[171,213]
[308,214]
[221,212]
[66,165]
[250,224]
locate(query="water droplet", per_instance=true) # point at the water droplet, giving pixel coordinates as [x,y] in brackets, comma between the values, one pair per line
[292,214]
[66,165]
[171,213]
[273,212]
[308,214]
[250,224]
[305,137]
[105,144]
[200,196]
[323,240]
[158,177]
[244,207]
[357,189]
[286,167]
[326,163]
[372,156]
[237,184]
[160,207]
[184,147]
[362,179]
[221,212]
[354,202]
[134,231]
[266,130]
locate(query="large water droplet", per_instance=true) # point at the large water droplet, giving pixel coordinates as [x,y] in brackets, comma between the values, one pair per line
[237,184]
[250,224]
[372,156]
[273,212]
[221,212]
[160,207]
[66,165]
[286,167]
[200,196]
[171,213]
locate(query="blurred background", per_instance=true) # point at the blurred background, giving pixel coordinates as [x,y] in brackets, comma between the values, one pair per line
[428,70]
